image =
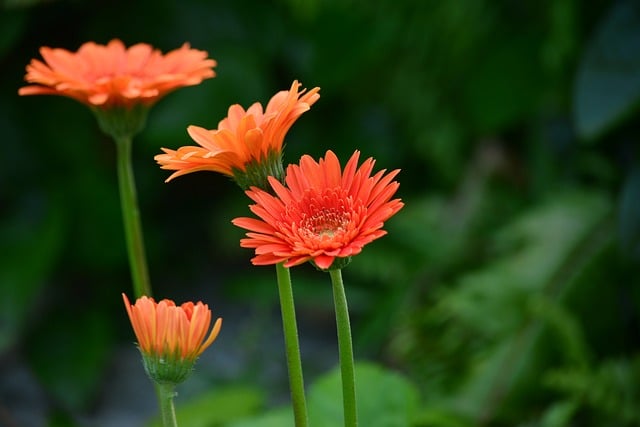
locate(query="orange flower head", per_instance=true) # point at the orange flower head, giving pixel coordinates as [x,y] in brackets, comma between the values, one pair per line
[112,75]
[321,214]
[119,84]
[171,337]
[247,145]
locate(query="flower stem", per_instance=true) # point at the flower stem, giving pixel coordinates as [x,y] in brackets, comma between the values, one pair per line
[292,346]
[166,394]
[131,218]
[345,348]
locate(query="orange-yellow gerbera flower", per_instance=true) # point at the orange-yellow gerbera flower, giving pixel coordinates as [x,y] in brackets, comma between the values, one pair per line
[111,75]
[247,145]
[171,337]
[322,215]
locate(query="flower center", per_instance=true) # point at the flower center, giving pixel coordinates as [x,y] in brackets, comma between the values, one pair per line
[325,223]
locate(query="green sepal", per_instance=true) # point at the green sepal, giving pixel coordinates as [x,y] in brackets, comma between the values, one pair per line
[122,122]
[167,368]
[256,172]
[337,264]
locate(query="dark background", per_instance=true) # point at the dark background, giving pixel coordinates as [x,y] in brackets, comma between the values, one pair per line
[506,292]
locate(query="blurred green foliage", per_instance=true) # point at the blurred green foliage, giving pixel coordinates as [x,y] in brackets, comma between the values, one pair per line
[376,406]
[506,291]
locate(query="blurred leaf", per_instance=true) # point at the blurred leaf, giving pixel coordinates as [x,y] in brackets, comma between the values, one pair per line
[629,215]
[611,390]
[377,407]
[217,407]
[360,48]
[490,309]
[429,232]
[607,87]
[559,414]
[68,353]
[282,417]
[61,419]
[506,86]
[31,245]
[304,9]
[80,161]
[385,399]
[437,417]
[560,47]
[567,326]
[530,251]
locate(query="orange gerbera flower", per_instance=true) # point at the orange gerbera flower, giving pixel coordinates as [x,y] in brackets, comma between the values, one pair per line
[322,215]
[171,337]
[247,145]
[112,75]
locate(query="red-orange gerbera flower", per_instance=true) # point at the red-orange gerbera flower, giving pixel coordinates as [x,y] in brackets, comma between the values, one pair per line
[111,75]
[171,337]
[322,214]
[247,145]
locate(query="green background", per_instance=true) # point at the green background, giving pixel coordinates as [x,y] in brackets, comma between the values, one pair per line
[505,294]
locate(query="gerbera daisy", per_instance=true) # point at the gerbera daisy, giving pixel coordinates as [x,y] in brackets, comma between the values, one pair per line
[113,75]
[119,84]
[321,214]
[171,337]
[247,145]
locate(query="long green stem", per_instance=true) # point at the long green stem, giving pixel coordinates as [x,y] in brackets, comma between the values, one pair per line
[166,393]
[131,218]
[292,346]
[345,348]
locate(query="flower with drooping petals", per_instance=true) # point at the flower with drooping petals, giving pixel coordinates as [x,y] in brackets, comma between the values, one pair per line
[247,145]
[171,337]
[321,214]
[119,84]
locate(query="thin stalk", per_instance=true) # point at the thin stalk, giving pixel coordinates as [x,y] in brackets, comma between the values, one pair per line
[345,349]
[131,218]
[166,394]
[292,346]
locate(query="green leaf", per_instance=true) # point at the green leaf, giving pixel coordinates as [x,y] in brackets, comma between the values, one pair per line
[608,81]
[610,391]
[385,399]
[540,254]
[559,414]
[377,406]
[529,253]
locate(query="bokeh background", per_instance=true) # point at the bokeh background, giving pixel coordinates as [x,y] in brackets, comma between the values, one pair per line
[505,294]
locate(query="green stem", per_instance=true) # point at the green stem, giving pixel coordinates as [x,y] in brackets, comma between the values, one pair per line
[345,348]
[166,394]
[292,346]
[131,218]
